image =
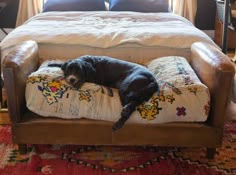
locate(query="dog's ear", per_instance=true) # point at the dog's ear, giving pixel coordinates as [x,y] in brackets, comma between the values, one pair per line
[88,69]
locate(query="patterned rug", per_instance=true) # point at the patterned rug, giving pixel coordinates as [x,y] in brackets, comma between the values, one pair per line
[107,160]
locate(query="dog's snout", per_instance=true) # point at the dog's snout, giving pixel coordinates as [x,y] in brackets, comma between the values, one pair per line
[72,80]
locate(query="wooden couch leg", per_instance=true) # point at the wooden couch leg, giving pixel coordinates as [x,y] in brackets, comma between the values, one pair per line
[211,153]
[22,148]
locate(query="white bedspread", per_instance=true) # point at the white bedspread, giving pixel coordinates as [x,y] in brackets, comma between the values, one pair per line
[107,29]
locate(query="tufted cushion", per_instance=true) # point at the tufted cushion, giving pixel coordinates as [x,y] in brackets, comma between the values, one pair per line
[74,5]
[183,97]
[139,5]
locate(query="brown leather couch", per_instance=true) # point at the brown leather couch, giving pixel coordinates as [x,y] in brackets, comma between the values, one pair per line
[211,65]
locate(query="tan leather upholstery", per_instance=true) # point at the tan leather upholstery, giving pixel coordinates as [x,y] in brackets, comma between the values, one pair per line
[216,71]
[17,66]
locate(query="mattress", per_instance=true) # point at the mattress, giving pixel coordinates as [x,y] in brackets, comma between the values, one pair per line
[133,36]
[182,98]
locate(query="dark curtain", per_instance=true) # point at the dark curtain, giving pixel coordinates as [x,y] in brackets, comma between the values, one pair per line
[206,13]
[9,13]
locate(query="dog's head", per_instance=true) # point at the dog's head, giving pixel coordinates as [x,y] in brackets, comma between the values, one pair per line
[76,72]
[73,73]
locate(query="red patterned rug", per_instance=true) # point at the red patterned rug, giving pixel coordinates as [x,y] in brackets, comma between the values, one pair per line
[107,160]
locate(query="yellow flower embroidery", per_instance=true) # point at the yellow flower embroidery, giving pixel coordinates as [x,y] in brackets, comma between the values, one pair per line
[149,111]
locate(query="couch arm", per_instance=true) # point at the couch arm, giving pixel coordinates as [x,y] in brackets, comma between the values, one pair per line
[17,66]
[216,71]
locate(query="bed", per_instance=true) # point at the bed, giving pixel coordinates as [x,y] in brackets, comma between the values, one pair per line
[66,35]
[133,36]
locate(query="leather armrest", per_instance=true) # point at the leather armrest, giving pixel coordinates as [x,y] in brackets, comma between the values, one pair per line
[17,66]
[216,71]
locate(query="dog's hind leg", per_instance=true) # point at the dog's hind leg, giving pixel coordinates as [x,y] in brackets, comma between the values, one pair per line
[125,114]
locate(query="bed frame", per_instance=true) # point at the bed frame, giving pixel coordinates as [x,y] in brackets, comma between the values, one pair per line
[211,65]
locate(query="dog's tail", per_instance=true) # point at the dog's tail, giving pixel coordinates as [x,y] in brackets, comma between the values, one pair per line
[55,65]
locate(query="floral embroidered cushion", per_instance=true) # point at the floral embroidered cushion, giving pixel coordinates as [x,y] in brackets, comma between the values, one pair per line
[182,97]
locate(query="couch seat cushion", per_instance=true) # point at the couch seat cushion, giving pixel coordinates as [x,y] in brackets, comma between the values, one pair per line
[183,97]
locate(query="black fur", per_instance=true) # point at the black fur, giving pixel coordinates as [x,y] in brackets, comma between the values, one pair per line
[135,83]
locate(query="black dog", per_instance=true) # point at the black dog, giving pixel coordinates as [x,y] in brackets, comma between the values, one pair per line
[135,83]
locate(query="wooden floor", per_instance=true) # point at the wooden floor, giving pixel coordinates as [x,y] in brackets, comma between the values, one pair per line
[231,111]
[4,118]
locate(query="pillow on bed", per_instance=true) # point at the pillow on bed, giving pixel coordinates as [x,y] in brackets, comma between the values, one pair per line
[74,5]
[139,5]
